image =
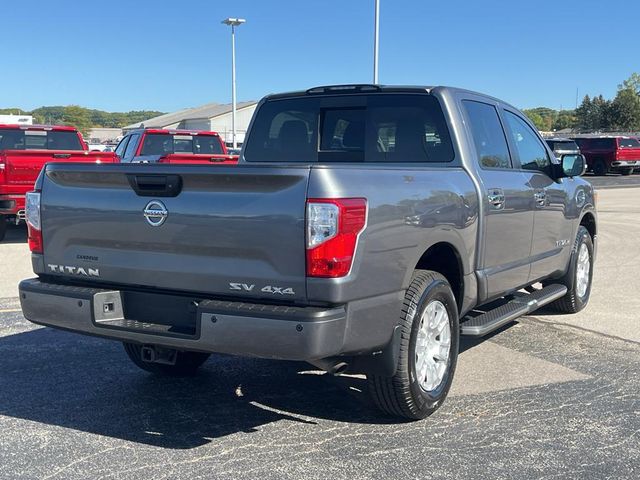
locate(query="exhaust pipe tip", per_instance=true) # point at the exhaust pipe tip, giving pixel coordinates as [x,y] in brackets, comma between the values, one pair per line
[331,366]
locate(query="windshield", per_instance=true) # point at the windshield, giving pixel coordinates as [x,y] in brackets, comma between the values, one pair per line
[629,143]
[372,128]
[39,140]
[164,144]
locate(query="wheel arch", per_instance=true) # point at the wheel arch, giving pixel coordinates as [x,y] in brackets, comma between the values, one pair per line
[588,221]
[443,257]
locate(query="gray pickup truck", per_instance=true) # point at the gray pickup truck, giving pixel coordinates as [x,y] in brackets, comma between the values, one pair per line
[364,230]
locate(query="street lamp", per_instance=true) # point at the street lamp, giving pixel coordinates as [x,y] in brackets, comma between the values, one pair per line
[376,29]
[233,23]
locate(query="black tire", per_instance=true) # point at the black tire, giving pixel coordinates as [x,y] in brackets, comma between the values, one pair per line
[626,171]
[600,168]
[573,302]
[402,395]
[3,227]
[187,363]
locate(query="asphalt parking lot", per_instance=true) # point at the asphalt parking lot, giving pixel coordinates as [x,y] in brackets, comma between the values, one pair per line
[547,397]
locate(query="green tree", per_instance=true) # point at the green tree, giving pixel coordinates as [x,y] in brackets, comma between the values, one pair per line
[625,110]
[594,115]
[84,118]
[77,117]
[633,83]
[537,119]
[564,119]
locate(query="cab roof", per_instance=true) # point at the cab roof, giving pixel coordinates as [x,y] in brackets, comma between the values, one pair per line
[54,128]
[166,131]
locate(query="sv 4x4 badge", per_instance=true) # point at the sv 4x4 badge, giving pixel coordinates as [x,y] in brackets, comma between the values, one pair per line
[243,287]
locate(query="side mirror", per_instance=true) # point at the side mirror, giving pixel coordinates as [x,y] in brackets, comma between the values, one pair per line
[573,165]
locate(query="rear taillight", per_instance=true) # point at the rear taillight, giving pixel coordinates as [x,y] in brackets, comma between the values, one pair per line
[333,226]
[34,224]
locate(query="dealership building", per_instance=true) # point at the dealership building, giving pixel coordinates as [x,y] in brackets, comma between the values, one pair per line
[213,116]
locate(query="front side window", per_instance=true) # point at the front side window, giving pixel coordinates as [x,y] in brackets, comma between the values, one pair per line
[530,150]
[131,147]
[377,128]
[121,146]
[488,135]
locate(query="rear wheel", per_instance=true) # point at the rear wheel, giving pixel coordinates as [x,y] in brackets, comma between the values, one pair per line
[428,350]
[600,168]
[185,363]
[3,227]
[579,275]
[627,171]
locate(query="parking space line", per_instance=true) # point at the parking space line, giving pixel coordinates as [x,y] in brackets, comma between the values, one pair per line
[11,310]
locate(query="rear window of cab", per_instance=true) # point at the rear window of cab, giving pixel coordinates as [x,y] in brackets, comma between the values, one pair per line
[39,140]
[394,128]
[165,144]
[628,143]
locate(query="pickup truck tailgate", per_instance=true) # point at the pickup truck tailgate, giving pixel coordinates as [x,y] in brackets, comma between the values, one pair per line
[23,166]
[231,231]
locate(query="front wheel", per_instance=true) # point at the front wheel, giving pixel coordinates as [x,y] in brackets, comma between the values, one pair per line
[186,363]
[428,350]
[579,275]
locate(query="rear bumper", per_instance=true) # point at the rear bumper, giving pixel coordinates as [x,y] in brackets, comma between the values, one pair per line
[11,204]
[625,164]
[268,331]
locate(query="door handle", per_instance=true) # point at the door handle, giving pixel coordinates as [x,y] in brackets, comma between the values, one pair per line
[541,198]
[495,196]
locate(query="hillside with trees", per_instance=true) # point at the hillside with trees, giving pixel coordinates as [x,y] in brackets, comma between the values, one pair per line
[595,114]
[84,119]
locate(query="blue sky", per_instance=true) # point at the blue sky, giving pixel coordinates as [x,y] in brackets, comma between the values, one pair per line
[131,55]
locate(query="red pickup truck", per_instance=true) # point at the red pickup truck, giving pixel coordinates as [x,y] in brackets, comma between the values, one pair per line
[24,150]
[610,154]
[151,145]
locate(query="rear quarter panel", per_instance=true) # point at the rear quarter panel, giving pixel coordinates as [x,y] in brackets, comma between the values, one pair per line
[409,210]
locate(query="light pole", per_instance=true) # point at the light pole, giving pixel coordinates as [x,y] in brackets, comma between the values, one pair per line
[233,23]
[375,41]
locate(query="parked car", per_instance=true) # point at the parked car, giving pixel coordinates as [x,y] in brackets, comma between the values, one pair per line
[610,154]
[562,146]
[24,149]
[318,245]
[100,147]
[173,146]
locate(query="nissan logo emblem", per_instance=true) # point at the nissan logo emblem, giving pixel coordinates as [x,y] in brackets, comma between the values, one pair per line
[155,213]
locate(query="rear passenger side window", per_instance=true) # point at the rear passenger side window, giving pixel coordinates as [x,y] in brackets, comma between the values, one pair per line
[531,151]
[488,136]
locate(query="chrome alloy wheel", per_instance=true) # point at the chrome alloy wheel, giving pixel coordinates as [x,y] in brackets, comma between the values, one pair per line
[433,344]
[583,268]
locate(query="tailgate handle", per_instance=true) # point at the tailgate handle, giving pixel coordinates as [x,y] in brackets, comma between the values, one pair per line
[156,185]
[61,155]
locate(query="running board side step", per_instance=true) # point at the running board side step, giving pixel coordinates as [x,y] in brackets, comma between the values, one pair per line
[522,305]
